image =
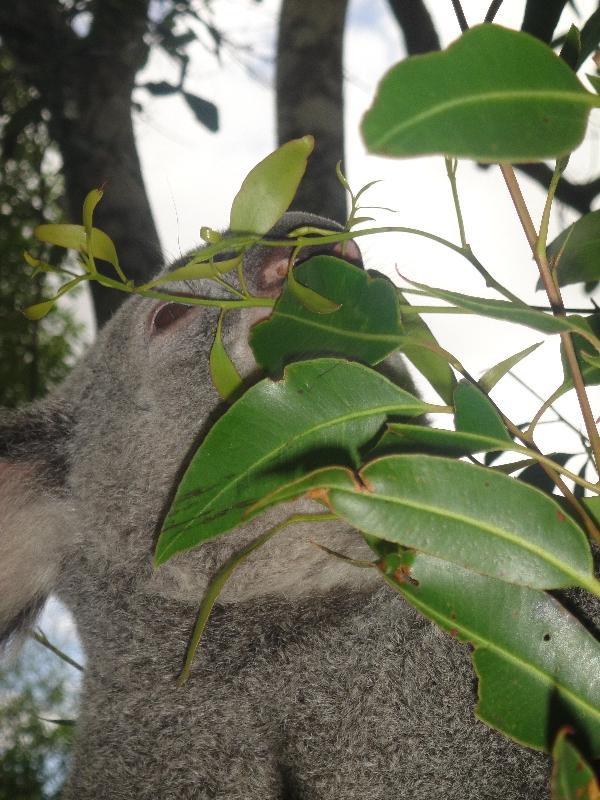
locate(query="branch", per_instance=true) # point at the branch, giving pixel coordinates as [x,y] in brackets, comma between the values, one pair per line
[579,196]
[417,26]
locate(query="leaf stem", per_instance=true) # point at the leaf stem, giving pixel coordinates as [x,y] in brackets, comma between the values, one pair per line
[555,298]
[460,15]
[492,10]
[559,416]
[40,637]
[451,166]
[222,576]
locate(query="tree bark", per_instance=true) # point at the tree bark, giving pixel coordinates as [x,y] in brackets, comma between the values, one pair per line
[309,88]
[86,82]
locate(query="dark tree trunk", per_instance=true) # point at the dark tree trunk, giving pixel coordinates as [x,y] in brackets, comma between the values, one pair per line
[310,96]
[86,85]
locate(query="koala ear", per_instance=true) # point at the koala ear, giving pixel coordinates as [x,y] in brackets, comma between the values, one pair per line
[35,517]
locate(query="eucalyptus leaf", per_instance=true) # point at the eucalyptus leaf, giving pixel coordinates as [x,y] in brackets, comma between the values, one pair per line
[365,328]
[571,49]
[38,311]
[474,413]
[467,514]
[74,237]
[490,378]
[510,312]
[311,300]
[530,683]
[535,475]
[592,506]
[595,81]
[572,776]
[590,37]
[269,187]
[223,373]
[493,95]
[196,270]
[471,515]
[89,204]
[430,364]
[277,431]
[589,363]
[451,443]
[580,246]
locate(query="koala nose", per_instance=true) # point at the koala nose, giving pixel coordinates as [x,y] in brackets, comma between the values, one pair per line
[269,267]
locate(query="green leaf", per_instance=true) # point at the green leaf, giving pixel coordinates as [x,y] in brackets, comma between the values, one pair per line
[530,683]
[493,95]
[430,364]
[590,37]
[474,413]
[366,327]
[276,432]
[38,265]
[223,373]
[39,310]
[89,204]
[494,374]
[511,312]
[589,363]
[571,49]
[73,237]
[592,506]
[269,187]
[535,475]
[450,443]
[572,776]
[311,300]
[467,514]
[580,258]
[471,515]
[595,81]
[196,270]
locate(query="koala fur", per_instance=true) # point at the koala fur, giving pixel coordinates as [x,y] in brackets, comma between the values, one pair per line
[314,680]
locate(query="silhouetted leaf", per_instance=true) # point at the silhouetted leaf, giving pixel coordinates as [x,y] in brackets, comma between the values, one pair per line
[205,112]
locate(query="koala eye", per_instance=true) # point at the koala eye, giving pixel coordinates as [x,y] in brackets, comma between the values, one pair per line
[165,314]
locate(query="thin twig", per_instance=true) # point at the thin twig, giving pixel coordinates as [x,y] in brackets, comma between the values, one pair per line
[460,15]
[555,298]
[222,576]
[41,638]
[492,10]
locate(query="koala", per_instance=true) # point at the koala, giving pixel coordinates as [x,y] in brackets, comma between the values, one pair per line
[314,679]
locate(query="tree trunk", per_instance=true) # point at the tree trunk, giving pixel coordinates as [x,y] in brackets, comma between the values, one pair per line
[310,97]
[85,82]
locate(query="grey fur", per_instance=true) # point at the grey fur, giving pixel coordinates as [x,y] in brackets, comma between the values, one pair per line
[313,682]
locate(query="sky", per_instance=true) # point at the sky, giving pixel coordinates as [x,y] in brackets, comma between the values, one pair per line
[192,176]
